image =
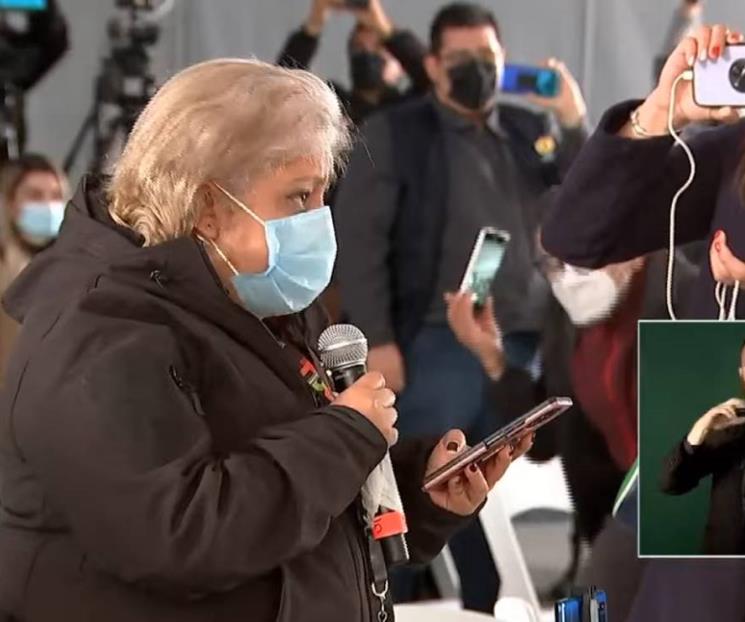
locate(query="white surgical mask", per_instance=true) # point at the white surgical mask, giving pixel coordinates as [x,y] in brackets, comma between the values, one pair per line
[586,295]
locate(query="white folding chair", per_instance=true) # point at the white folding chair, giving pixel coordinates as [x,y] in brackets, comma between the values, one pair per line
[436,612]
[526,486]
[446,575]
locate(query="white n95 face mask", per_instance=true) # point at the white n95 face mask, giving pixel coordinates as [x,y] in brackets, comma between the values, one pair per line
[587,296]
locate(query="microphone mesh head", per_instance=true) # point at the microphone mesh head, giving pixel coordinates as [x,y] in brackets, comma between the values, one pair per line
[341,346]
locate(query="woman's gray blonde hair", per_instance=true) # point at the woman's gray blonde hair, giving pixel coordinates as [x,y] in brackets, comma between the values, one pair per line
[226,120]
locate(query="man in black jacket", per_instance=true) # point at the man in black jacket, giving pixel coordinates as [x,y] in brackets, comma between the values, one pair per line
[715,446]
[427,176]
[380,57]
[30,44]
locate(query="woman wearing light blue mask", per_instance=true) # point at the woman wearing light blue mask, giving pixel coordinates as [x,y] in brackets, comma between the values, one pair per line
[173,450]
[299,258]
[32,191]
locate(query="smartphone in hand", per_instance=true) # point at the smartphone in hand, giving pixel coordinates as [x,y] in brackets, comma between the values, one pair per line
[508,435]
[719,83]
[528,80]
[486,258]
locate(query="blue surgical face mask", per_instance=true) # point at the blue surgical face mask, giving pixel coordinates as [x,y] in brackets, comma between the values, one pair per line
[40,221]
[302,252]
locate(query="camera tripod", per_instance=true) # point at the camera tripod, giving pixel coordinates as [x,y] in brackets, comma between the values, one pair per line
[10,120]
[121,90]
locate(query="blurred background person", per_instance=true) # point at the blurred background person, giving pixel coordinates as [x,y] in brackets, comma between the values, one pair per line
[33,192]
[386,63]
[605,306]
[422,182]
[623,183]
[31,43]
[687,17]
[386,66]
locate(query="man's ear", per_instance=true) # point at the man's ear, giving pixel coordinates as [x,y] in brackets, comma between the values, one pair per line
[432,67]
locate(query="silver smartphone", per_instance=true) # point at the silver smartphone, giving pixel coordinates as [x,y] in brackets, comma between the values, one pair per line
[721,82]
[508,435]
[486,258]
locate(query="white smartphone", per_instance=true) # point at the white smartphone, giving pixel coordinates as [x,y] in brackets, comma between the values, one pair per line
[486,258]
[721,82]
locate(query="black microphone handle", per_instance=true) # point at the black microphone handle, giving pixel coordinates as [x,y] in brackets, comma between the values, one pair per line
[342,379]
[395,548]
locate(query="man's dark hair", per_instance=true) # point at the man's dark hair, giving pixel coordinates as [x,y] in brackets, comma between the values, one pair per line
[742,347]
[460,15]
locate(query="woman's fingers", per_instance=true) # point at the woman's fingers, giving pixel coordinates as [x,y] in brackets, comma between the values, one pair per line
[689,49]
[703,40]
[385,398]
[725,115]
[717,42]
[476,485]
[734,37]
[497,465]
[523,446]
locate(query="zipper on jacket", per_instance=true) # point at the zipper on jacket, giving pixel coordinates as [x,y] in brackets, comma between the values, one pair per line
[189,390]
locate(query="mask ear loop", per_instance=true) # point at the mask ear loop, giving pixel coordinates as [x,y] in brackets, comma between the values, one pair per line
[733,304]
[218,250]
[686,75]
[240,204]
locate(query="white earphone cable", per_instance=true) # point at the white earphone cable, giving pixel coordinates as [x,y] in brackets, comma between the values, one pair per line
[686,75]
[733,304]
[720,294]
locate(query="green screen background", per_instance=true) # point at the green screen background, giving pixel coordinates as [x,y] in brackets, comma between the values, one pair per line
[685,369]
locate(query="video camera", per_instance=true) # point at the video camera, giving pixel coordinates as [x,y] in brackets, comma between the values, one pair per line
[126,80]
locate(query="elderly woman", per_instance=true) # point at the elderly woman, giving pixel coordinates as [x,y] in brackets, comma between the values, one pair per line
[32,191]
[165,452]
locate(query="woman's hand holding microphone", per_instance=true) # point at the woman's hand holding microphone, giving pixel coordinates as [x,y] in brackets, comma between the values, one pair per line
[708,42]
[373,400]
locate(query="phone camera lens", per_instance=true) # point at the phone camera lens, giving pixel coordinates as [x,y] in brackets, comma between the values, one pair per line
[737,75]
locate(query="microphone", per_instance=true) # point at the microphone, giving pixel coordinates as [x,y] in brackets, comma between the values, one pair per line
[343,350]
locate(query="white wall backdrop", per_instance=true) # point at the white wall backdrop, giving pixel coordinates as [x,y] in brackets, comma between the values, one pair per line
[608,44]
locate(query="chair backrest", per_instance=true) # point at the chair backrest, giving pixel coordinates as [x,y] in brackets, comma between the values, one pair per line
[445,575]
[529,485]
[524,487]
[505,548]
